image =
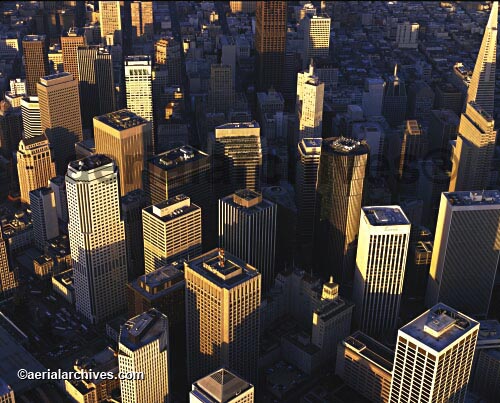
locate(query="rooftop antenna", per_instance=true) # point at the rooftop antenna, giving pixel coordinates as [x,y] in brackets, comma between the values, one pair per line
[396,71]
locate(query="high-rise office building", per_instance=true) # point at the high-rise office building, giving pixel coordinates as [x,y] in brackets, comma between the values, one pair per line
[222,315]
[222,386]
[413,149]
[35,49]
[32,123]
[443,127]
[373,97]
[95,69]
[236,157]
[11,128]
[97,238]
[123,136]
[8,277]
[141,13]
[34,165]
[143,347]
[475,145]
[69,45]
[131,205]
[7,394]
[270,36]
[305,189]
[110,22]
[139,91]
[309,104]
[221,93]
[366,366]
[341,178]
[247,229]
[243,6]
[172,231]
[407,35]
[316,37]
[384,235]
[433,359]
[466,251]
[44,216]
[168,55]
[60,116]
[395,100]
[184,170]
[58,186]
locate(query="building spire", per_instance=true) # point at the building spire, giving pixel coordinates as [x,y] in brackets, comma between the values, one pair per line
[482,85]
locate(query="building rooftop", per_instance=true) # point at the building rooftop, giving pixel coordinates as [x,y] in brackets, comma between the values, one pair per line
[413,128]
[247,200]
[104,361]
[371,350]
[138,60]
[143,329]
[222,268]
[439,327]
[4,388]
[385,215]
[220,386]
[56,78]
[476,198]
[489,334]
[43,191]
[172,208]
[346,146]
[34,38]
[161,281]
[178,157]
[91,162]
[122,119]
[241,125]
[310,146]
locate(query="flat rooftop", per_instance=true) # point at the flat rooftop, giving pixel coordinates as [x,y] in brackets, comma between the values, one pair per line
[247,200]
[370,349]
[91,162]
[222,268]
[242,125]
[220,386]
[439,327]
[161,281]
[310,146]
[385,215]
[172,208]
[143,329]
[178,157]
[57,76]
[34,38]
[122,119]
[346,146]
[43,191]
[489,334]
[138,60]
[476,198]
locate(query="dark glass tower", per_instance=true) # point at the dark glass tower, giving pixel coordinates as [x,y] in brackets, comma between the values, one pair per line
[341,179]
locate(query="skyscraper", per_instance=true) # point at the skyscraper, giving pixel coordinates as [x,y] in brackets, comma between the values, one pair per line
[142,19]
[243,6]
[395,100]
[8,278]
[222,386]
[373,96]
[221,93]
[110,22]
[60,115]
[384,235]
[95,69]
[34,165]
[97,238]
[341,178]
[305,189]
[58,186]
[32,123]
[433,358]
[466,251]
[270,36]
[222,315]
[139,91]
[168,55]
[236,157]
[247,229]
[316,37]
[309,104]
[144,348]
[69,44]
[123,136]
[475,146]
[35,49]
[172,231]
[44,216]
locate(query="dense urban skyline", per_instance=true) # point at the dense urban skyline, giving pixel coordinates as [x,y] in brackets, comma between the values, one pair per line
[249,202]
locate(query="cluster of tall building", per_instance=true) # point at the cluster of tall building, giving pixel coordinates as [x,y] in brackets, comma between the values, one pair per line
[190,240]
